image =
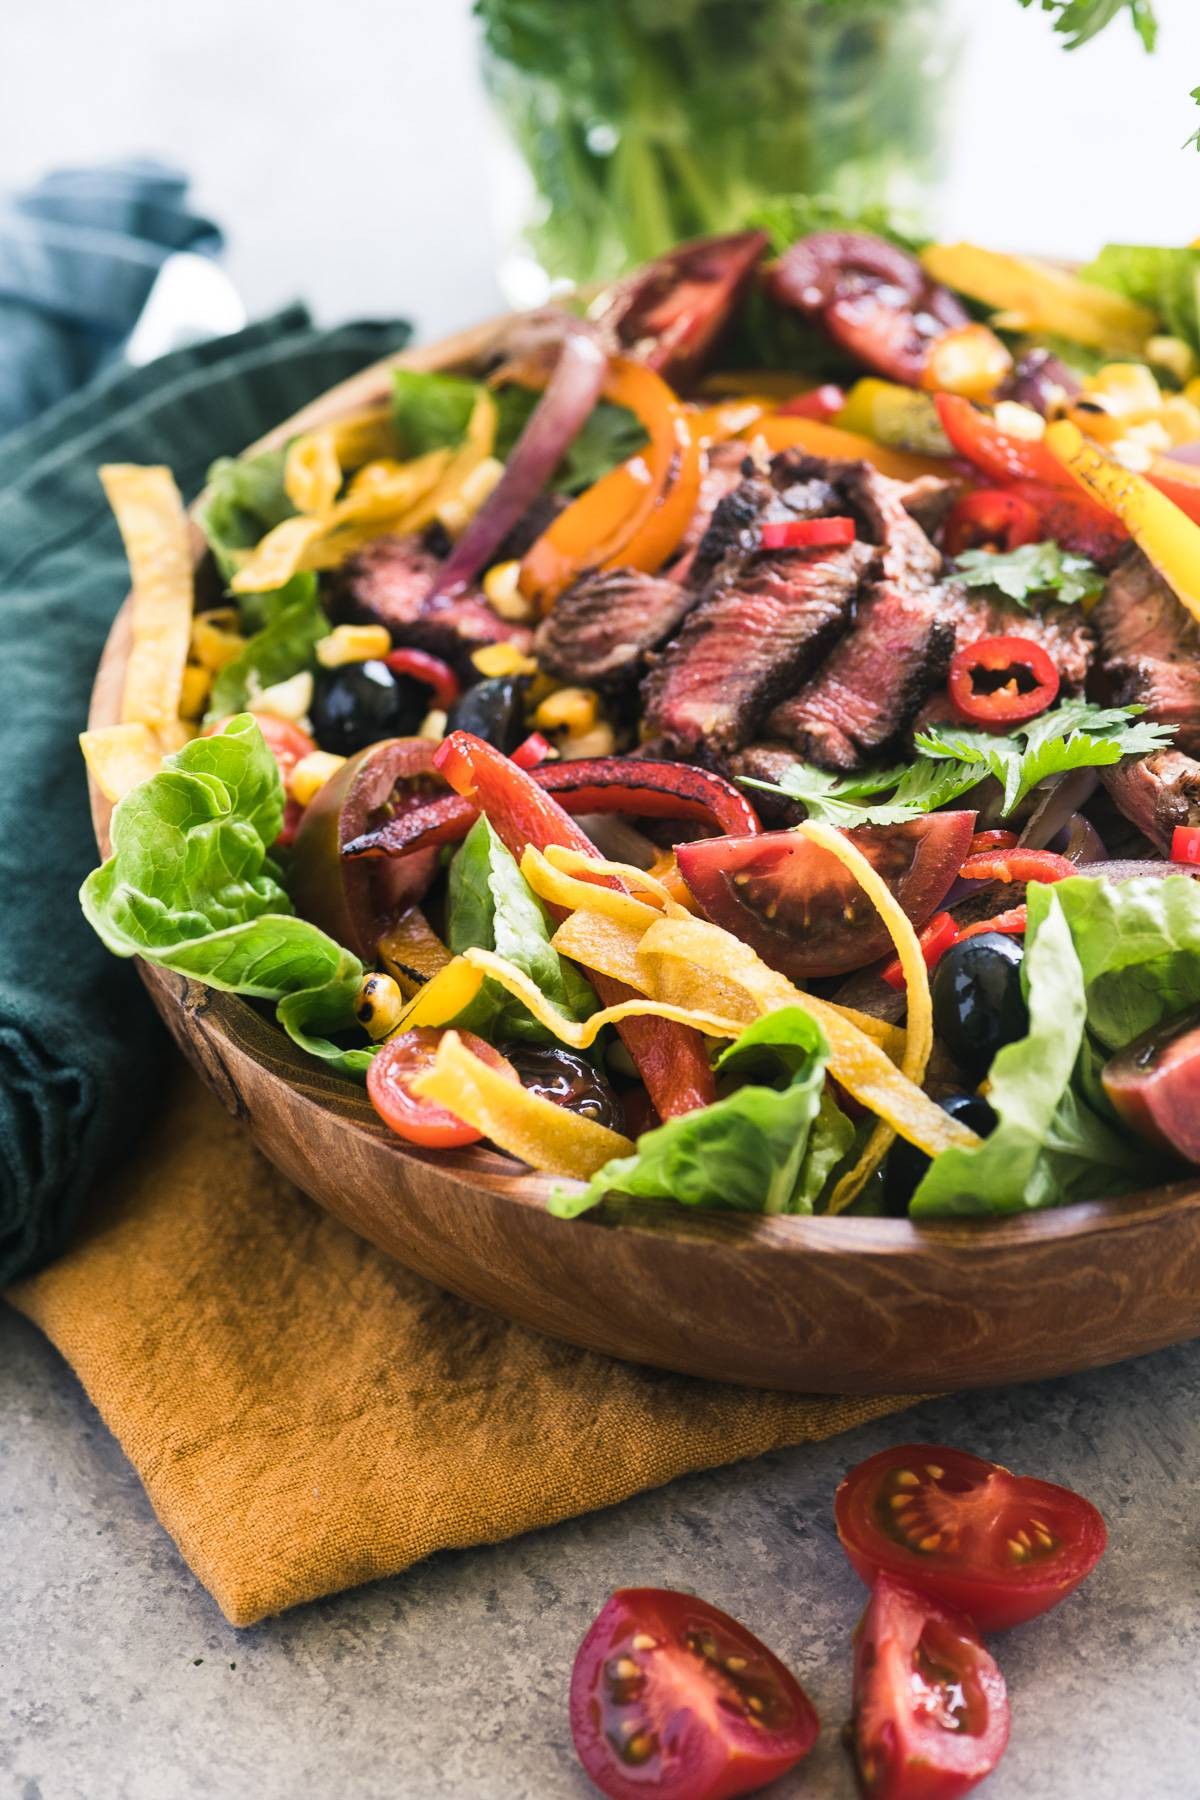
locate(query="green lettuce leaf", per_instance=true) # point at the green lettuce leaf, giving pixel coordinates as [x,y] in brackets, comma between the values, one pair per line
[293,625]
[1049,1146]
[190,886]
[430,411]
[245,498]
[768,1147]
[491,906]
[1165,280]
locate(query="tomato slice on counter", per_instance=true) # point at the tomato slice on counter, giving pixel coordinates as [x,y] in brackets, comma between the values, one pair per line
[796,534]
[931,1713]
[1002,680]
[801,910]
[991,519]
[1001,1548]
[672,1699]
[389,1083]
[935,940]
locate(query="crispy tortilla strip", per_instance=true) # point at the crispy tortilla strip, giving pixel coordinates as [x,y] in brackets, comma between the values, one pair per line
[363,437]
[154,529]
[545,1136]
[580,1035]
[571,892]
[312,473]
[121,756]
[600,871]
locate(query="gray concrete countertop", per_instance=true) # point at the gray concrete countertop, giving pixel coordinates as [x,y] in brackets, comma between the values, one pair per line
[121,1681]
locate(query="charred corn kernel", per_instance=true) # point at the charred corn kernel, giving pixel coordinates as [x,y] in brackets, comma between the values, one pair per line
[193,695]
[570,709]
[458,509]
[1151,433]
[1018,421]
[215,642]
[502,659]
[353,644]
[433,725]
[503,593]
[378,1005]
[288,699]
[1131,455]
[599,741]
[1180,419]
[1173,355]
[968,360]
[1128,387]
[311,773]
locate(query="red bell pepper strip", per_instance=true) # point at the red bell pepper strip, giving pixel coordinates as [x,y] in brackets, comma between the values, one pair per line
[797,534]
[1006,702]
[1012,923]
[993,840]
[1075,521]
[935,940]
[1018,865]
[1185,844]
[991,519]
[430,669]
[593,784]
[995,453]
[820,403]
[670,1058]
[533,751]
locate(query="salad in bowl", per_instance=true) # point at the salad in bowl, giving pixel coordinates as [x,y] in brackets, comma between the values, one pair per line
[738,747]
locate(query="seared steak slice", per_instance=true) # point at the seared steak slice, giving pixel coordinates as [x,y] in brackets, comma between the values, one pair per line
[897,652]
[1156,793]
[1061,631]
[602,627]
[750,638]
[728,464]
[1149,649]
[390,583]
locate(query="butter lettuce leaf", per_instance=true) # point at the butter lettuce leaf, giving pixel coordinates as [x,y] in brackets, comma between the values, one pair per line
[1163,279]
[244,499]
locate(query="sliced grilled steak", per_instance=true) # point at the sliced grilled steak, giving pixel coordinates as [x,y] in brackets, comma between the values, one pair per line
[602,628]
[1061,631]
[728,464]
[390,582]
[899,649]
[1149,649]
[538,517]
[1156,793]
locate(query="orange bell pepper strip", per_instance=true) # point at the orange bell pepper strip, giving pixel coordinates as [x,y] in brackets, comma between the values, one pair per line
[631,516]
[785,431]
[1164,534]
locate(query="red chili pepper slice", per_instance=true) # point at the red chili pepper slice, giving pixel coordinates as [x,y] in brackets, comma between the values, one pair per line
[934,940]
[822,403]
[533,751]
[1002,680]
[991,519]
[1012,923]
[430,669]
[1185,844]
[992,840]
[796,534]
[1018,865]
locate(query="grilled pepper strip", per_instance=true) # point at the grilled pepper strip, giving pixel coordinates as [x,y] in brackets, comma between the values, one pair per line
[1166,535]
[670,1058]
[783,431]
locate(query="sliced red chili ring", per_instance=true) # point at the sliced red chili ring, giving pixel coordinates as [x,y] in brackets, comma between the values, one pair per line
[991,519]
[798,534]
[535,750]
[935,940]
[1185,844]
[1012,923]
[1002,680]
[430,669]
[993,840]
[1018,865]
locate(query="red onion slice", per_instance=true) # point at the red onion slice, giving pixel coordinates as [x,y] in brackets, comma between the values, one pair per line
[1184,453]
[560,414]
[1057,804]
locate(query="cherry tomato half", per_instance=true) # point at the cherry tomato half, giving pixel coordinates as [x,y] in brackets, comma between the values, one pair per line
[1001,1548]
[396,1066]
[991,519]
[799,534]
[1002,680]
[674,1700]
[802,910]
[993,840]
[930,1706]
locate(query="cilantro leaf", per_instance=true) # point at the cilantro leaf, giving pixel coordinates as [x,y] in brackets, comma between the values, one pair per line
[1075,735]
[1031,571]
[847,800]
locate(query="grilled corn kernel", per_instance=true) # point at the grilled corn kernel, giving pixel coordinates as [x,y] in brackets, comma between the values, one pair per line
[502,659]
[1180,419]
[288,699]
[1131,455]
[571,709]
[457,510]
[353,644]
[193,695]
[1173,355]
[968,360]
[1096,416]
[215,643]
[433,725]
[378,1005]
[1018,421]
[1127,387]
[311,773]
[599,741]
[503,593]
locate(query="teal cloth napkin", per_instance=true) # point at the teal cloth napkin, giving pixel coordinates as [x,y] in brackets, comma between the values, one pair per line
[79,1045]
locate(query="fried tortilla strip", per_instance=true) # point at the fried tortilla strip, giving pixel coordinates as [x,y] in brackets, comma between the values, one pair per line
[154,529]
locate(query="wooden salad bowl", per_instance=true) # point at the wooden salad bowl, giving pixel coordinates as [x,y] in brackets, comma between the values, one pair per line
[823,1305]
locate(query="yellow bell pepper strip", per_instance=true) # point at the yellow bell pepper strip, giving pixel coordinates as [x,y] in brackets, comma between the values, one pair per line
[899,417]
[1160,529]
[1036,296]
[630,516]
[412,952]
[444,997]
[312,473]
[916,976]
[547,1137]
[784,431]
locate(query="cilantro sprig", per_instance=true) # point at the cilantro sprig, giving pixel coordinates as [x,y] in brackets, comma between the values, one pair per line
[1031,573]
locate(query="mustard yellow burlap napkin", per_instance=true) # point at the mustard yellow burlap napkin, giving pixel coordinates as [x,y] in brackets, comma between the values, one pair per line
[306,1415]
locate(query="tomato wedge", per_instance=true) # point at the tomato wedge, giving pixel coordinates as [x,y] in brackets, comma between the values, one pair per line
[1002,680]
[389,1084]
[931,1711]
[991,519]
[673,1700]
[801,910]
[1001,1548]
